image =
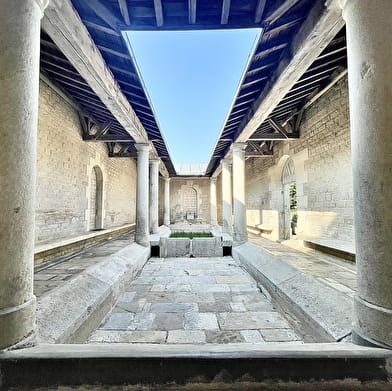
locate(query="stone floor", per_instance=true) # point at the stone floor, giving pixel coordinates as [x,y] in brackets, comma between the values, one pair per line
[193,300]
[330,270]
[57,272]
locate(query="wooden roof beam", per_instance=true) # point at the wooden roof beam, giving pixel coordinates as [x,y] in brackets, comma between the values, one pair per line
[158,12]
[124,11]
[225,11]
[322,24]
[104,13]
[259,11]
[60,22]
[192,5]
[280,11]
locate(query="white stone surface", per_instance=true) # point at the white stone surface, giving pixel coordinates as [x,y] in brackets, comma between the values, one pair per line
[154,195]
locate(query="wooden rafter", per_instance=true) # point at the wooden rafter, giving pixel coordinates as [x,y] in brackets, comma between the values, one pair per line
[104,13]
[225,11]
[278,127]
[124,11]
[192,5]
[158,12]
[259,11]
[280,11]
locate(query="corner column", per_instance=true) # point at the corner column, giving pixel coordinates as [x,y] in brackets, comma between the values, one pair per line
[154,195]
[166,211]
[226,197]
[142,200]
[369,50]
[19,75]
[213,215]
[240,235]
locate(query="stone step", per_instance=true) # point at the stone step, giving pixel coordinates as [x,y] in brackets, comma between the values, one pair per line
[217,367]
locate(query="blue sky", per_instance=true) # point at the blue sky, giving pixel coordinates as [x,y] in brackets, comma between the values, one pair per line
[191,78]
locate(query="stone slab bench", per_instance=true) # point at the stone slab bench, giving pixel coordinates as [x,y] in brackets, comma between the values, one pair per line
[338,248]
[46,251]
[259,229]
[327,312]
[69,313]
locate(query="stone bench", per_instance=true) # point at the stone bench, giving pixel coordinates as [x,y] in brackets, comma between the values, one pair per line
[338,248]
[259,229]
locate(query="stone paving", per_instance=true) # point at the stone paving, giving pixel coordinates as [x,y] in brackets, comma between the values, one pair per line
[57,272]
[194,300]
[330,270]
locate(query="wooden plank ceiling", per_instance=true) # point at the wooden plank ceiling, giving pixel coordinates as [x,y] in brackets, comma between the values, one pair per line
[106,19]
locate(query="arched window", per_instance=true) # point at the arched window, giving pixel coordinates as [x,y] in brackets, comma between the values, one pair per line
[96,193]
[189,203]
[289,199]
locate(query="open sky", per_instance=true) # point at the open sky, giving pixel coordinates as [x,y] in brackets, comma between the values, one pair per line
[191,78]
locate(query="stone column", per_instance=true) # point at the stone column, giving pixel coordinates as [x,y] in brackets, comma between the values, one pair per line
[226,196]
[154,195]
[19,75]
[213,217]
[166,211]
[240,235]
[369,50]
[142,227]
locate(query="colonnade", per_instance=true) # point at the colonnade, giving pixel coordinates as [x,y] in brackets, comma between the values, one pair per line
[370,83]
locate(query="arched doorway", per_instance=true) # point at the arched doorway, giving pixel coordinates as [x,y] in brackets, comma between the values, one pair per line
[289,199]
[96,192]
[189,203]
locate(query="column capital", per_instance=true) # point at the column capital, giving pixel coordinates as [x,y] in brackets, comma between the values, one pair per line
[155,162]
[142,147]
[213,179]
[344,4]
[236,147]
[42,4]
[166,179]
[226,162]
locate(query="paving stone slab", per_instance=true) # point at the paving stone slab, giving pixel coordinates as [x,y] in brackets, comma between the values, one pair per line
[107,336]
[223,337]
[118,321]
[250,320]
[174,307]
[186,336]
[279,335]
[200,321]
[168,321]
[252,336]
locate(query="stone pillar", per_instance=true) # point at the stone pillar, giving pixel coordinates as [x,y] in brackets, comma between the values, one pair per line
[240,235]
[166,211]
[213,217]
[226,197]
[142,203]
[369,50]
[19,75]
[154,195]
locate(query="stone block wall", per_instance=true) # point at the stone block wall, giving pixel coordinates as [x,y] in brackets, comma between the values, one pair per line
[178,204]
[65,167]
[322,162]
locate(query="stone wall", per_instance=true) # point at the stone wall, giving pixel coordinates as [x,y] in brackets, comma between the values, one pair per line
[322,162]
[65,169]
[181,193]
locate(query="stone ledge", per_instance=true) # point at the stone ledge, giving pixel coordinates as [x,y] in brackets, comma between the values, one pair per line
[259,229]
[45,251]
[70,312]
[338,248]
[147,364]
[327,312]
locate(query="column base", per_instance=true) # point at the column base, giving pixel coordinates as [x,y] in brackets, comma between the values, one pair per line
[142,239]
[17,325]
[372,324]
